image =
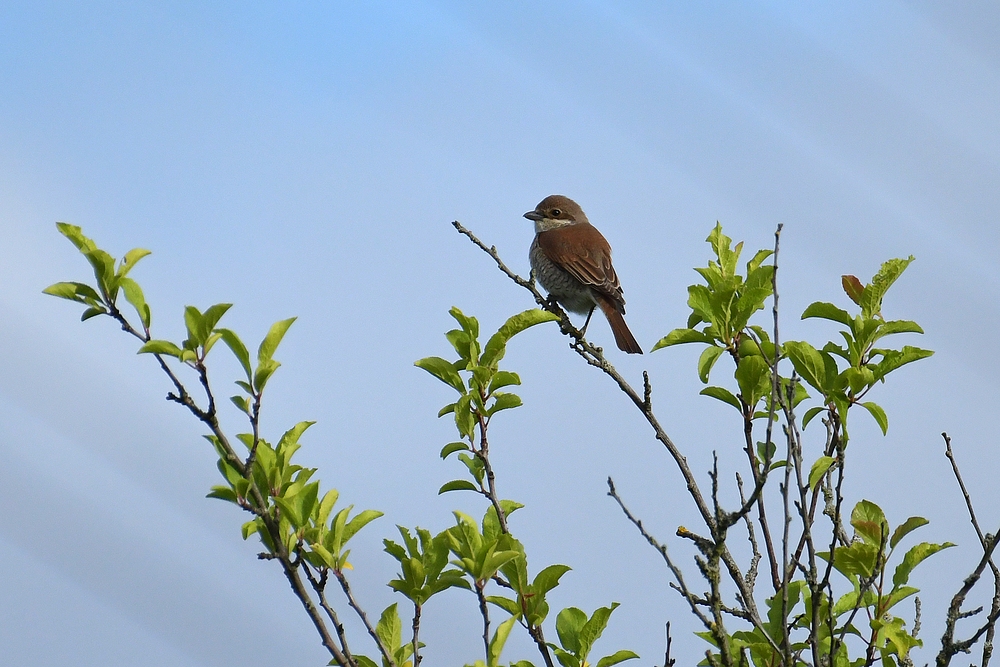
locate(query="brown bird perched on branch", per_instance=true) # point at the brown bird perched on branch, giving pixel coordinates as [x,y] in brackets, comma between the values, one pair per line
[572,261]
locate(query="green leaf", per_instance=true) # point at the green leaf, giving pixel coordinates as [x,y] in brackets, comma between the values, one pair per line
[914,557]
[680,336]
[239,350]
[163,347]
[104,272]
[906,528]
[569,622]
[360,520]
[390,628]
[723,395]
[503,401]
[271,341]
[131,258]
[496,345]
[548,578]
[508,605]
[93,311]
[443,370]
[222,493]
[78,292]
[707,359]
[503,379]
[899,326]
[565,658]
[893,359]
[615,658]
[458,485]
[827,311]
[753,375]
[499,639]
[819,468]
[808,363]
[76,237]
[810,413]
[265,370]
[133,294]
[869,522]
[879,414]
[453,447]
[871,298]
[594,628]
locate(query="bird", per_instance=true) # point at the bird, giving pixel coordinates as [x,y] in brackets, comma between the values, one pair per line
[572,261]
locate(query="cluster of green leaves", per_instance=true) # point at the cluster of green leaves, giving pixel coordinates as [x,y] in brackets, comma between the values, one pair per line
[479,392]
[726,303]
[865,563]
[110,280]
[865,363]
[305,521]
[722,308]
[485,552]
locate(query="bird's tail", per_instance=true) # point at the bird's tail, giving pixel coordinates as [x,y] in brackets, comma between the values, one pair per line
[623,337]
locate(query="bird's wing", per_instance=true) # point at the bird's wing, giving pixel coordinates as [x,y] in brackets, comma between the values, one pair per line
[585,254]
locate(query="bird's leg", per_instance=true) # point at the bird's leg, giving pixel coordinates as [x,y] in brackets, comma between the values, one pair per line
[585,324]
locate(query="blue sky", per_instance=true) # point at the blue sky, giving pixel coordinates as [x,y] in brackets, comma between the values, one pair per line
[306,159]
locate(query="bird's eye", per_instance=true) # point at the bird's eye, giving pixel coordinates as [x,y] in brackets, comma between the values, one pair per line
[556,212]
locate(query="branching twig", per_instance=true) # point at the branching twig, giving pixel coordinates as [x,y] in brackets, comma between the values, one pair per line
[345,585]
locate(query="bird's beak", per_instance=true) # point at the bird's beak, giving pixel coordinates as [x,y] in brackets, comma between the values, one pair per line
[533,215]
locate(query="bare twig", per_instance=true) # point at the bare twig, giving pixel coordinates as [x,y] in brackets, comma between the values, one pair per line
[667,660]
[950,647]
[345,585]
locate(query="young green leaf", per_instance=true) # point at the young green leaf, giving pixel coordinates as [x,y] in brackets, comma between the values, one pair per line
[879,414]
[271,341]
[569,623]
[457,485]
[723,395]
[443,370]
[906,528]
[78,292]
[134,295]
[163,347]
[498,641]
[496,346]
[819,469]
[827,311]
[239,350]
[808,363]
[616,657]
[914,557]
[680,336]
[707,359]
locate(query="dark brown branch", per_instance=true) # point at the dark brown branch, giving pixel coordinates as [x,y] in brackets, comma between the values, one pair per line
[416,633]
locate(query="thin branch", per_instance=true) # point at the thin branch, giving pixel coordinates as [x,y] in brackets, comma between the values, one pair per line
[416,633]
[667,660]
[364,617]
[484,610]
[319,585]
[536,633]
[484,455]
[949,647]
